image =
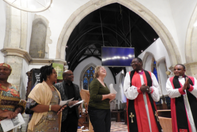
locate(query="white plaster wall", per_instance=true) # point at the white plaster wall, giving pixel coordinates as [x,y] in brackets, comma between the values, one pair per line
[34,66]
[182,11]
[162,10]
[2,28]
[175,15]
[159,52]
[57,16]
[148,63]
[168,11]
[77,72]
[162,77]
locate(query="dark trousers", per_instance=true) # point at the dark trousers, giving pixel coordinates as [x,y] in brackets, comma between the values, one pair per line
[70,124]
[100,119]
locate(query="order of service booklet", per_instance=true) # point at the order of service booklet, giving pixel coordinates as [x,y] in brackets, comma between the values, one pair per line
[9,124]
[65,101]
[77,103]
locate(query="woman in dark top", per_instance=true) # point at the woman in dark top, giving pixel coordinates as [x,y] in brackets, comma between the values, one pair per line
[99,107]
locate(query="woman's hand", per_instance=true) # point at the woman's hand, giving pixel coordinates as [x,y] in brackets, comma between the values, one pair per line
[112,96]
[8,114]
[61,109]
[18,110]
[55,108]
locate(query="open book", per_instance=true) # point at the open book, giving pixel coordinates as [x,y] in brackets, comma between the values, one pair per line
[9,124]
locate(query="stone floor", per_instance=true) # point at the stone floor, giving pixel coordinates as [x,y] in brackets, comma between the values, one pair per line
[118,127]
[115,127]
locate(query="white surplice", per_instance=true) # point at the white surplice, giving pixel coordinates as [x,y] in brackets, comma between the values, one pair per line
[132,93]
[174,93]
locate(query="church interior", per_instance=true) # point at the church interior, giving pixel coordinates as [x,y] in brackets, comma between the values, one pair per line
[71,34]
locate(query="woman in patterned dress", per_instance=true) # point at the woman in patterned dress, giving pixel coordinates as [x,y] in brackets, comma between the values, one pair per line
[10,103]
[44,101]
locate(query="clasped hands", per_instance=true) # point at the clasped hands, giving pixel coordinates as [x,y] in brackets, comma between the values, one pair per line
[145,88]
[186,85]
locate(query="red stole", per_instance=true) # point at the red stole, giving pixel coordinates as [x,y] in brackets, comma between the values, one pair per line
[141,114]
[173,111]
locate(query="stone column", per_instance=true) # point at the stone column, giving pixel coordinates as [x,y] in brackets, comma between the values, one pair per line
[191,69]
[16,38]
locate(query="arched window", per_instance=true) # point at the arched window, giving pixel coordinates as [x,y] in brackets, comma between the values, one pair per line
[88,77]
[155,70]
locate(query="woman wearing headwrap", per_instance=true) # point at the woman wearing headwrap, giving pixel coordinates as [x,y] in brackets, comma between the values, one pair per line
[10,101]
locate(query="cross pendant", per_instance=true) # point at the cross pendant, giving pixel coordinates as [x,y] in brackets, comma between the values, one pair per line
[131,116]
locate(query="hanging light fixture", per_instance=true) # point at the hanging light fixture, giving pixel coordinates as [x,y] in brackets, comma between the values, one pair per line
[32,6]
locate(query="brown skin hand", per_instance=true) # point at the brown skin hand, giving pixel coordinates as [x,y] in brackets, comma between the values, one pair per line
[136,65]
[144,88]
[180,71]
[186,85]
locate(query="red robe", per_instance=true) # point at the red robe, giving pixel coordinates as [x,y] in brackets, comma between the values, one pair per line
[174,107]
[140,110]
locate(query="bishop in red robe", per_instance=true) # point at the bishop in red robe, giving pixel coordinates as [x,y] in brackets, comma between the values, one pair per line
[141,90]
[182,90]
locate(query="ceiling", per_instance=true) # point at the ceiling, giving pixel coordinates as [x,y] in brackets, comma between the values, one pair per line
[112,25]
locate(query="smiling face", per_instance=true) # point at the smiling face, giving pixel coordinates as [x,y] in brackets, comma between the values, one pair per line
[4,72]
[102,71]
[68,76]
[179,70]
[136,64]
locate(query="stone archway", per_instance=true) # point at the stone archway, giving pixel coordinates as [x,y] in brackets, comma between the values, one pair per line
[190,45]
[139,9]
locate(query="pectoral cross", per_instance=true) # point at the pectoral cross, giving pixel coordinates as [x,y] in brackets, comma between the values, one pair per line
[40,53]
[156,115]
[131,116]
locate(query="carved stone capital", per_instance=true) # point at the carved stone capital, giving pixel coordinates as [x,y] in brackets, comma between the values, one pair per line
[16,52]
[25,55]
[191,69]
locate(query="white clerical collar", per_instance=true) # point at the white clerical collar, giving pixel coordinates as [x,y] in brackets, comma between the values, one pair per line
[180,77]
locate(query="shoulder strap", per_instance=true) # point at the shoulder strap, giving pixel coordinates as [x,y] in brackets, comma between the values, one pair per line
[148,77]
[131,76]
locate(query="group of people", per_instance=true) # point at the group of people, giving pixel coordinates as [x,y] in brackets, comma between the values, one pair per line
[140,88]
[142,91]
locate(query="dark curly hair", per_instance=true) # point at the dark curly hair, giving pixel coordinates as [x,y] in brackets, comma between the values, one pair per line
[45,71]
[181,65]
